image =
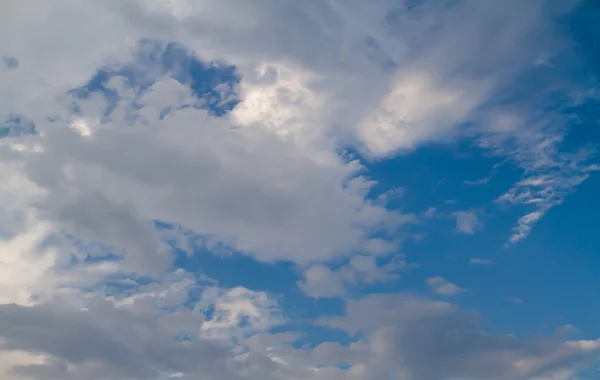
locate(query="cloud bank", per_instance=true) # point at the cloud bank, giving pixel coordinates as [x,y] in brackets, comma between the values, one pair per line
[106,135]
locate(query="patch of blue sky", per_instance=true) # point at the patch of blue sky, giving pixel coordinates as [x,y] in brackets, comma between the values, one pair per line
[584,125]
[435,174]
[213,83]
[94,252]
[311,333]
[278,279]
[231,269]
[87,254]
[583,26]
[10,63]
[556,269]
[16,126]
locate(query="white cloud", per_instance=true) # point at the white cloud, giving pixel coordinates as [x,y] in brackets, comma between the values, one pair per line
[554,178]
[440,87]
[320,281]
[418,109]
[467,222]
[239,311]
[444,287]
[245,187]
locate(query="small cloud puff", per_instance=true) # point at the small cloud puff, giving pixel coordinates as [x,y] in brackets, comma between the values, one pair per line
[467,222]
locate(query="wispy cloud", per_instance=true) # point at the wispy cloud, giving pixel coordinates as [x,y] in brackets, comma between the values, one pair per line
[546,187]
[479,261]
[444,287]
[478,182]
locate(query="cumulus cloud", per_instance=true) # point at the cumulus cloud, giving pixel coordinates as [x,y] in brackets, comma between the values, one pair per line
[87,285]
[245,187]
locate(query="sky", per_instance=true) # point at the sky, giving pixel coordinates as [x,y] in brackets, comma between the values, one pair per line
[299,190]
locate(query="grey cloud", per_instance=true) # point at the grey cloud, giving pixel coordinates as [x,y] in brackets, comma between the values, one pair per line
[320,281]
[95,218]
[421,339]
[244,186]
[103,341]
[69,336]
[403,337]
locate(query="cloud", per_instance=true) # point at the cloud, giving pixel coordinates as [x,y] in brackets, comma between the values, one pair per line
[479,261]
[435,91]
[388,77]
[87,284]
[245,187]
[467,222]
[320,281]
[444,287]
[430,213]
[515,300]
[239,311]
[543,191]
[415,339]
[147,332]
[482,181]
[404,336]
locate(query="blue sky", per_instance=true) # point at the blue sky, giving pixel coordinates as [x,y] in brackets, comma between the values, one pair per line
[400,190]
